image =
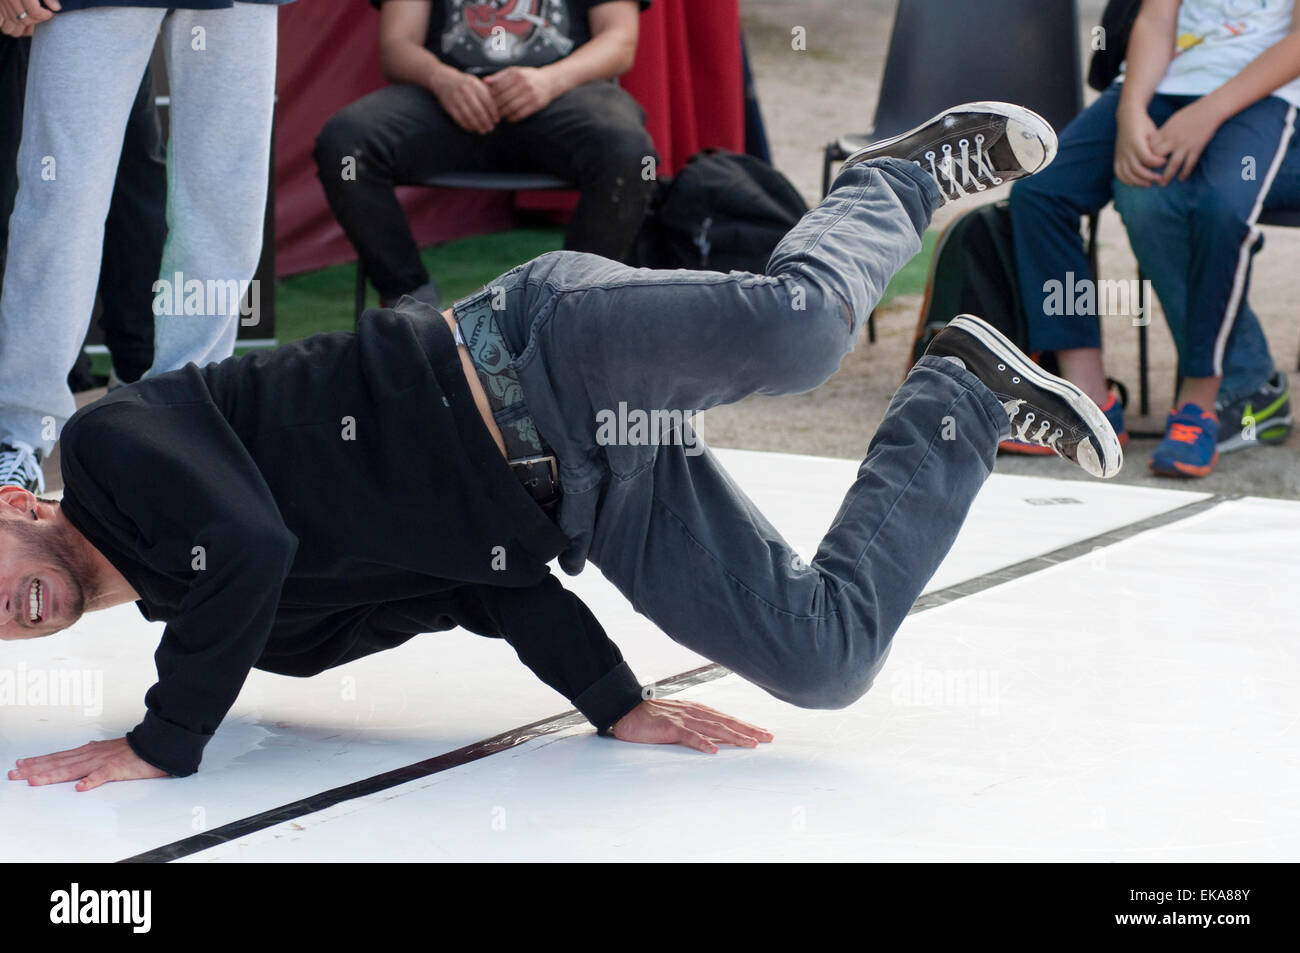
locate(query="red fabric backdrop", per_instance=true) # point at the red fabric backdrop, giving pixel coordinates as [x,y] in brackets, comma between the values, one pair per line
[687,77]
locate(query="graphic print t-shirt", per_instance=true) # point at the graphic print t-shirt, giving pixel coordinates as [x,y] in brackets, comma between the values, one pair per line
[483,36]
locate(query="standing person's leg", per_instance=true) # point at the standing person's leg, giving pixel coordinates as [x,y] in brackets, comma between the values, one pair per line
[134,235]
[221,71]
[666,524]
[84,72]
[595,137]
[14,54]
[397,135]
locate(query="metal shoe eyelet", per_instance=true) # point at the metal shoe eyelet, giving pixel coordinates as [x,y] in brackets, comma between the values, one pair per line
[1002,367]
[1015,380]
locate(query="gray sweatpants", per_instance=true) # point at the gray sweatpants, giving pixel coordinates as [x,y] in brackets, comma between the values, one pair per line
[85,69]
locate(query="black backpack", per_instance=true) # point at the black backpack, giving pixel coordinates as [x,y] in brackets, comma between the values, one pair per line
[723,211]
[973,271]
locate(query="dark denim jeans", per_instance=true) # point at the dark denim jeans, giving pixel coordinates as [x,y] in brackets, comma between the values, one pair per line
[593,136]
[664,522]
[1188,236]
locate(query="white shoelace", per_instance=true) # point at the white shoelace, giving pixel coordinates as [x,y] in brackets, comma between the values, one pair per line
[19,466]
[1023,435]
[948,167]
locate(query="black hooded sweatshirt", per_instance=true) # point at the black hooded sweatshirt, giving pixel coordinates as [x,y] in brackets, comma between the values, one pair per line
[295,509]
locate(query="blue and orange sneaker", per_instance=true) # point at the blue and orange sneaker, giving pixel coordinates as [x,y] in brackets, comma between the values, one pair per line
[1114,412]
[1189,447]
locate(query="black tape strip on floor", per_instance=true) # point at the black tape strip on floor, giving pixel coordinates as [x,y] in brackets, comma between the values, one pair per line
[669,686]
[997,577]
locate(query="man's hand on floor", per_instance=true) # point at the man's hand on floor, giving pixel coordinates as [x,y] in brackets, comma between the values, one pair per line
[662,721]
[91,765]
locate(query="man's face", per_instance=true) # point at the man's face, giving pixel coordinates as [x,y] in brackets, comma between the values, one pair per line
[43,579]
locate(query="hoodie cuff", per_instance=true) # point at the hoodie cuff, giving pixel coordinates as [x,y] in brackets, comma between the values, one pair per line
[167,747]
[609,699]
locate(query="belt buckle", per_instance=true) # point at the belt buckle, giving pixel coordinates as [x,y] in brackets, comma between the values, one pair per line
[527,469]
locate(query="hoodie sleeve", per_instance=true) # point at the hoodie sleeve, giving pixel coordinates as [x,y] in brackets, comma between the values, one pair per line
[555,634]
[551,630]
[203,516]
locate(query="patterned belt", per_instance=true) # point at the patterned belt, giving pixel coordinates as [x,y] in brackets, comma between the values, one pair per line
[532,461]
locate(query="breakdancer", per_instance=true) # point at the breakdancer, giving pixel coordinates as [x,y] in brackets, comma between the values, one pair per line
[297,509]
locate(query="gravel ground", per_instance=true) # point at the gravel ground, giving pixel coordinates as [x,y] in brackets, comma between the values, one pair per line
[809,98]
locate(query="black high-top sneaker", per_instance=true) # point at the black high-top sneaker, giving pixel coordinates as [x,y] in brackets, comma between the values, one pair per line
[1045,410]
[968,149]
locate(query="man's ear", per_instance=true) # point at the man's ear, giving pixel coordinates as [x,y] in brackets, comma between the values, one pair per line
[17,498]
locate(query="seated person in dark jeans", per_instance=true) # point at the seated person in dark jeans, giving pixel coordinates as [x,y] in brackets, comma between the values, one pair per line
[496,86]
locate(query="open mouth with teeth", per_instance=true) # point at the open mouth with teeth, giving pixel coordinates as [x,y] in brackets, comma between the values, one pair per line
[36,602]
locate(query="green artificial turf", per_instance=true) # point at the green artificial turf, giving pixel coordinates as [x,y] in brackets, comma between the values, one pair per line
[322,300]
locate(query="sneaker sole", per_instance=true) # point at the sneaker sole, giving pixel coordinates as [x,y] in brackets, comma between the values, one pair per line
[1025,449]
[1083,405]
[1005,110]
[1263,435]
[1033,450]
[1176,469]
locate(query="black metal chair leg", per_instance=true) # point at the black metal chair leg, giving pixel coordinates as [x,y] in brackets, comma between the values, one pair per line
[1093,224]
[361,292]
[1144,386]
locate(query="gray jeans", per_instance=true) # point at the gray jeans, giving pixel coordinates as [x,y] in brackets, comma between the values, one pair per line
[599,346]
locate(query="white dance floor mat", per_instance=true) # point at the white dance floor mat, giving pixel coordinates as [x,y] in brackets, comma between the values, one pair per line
[1097,672]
